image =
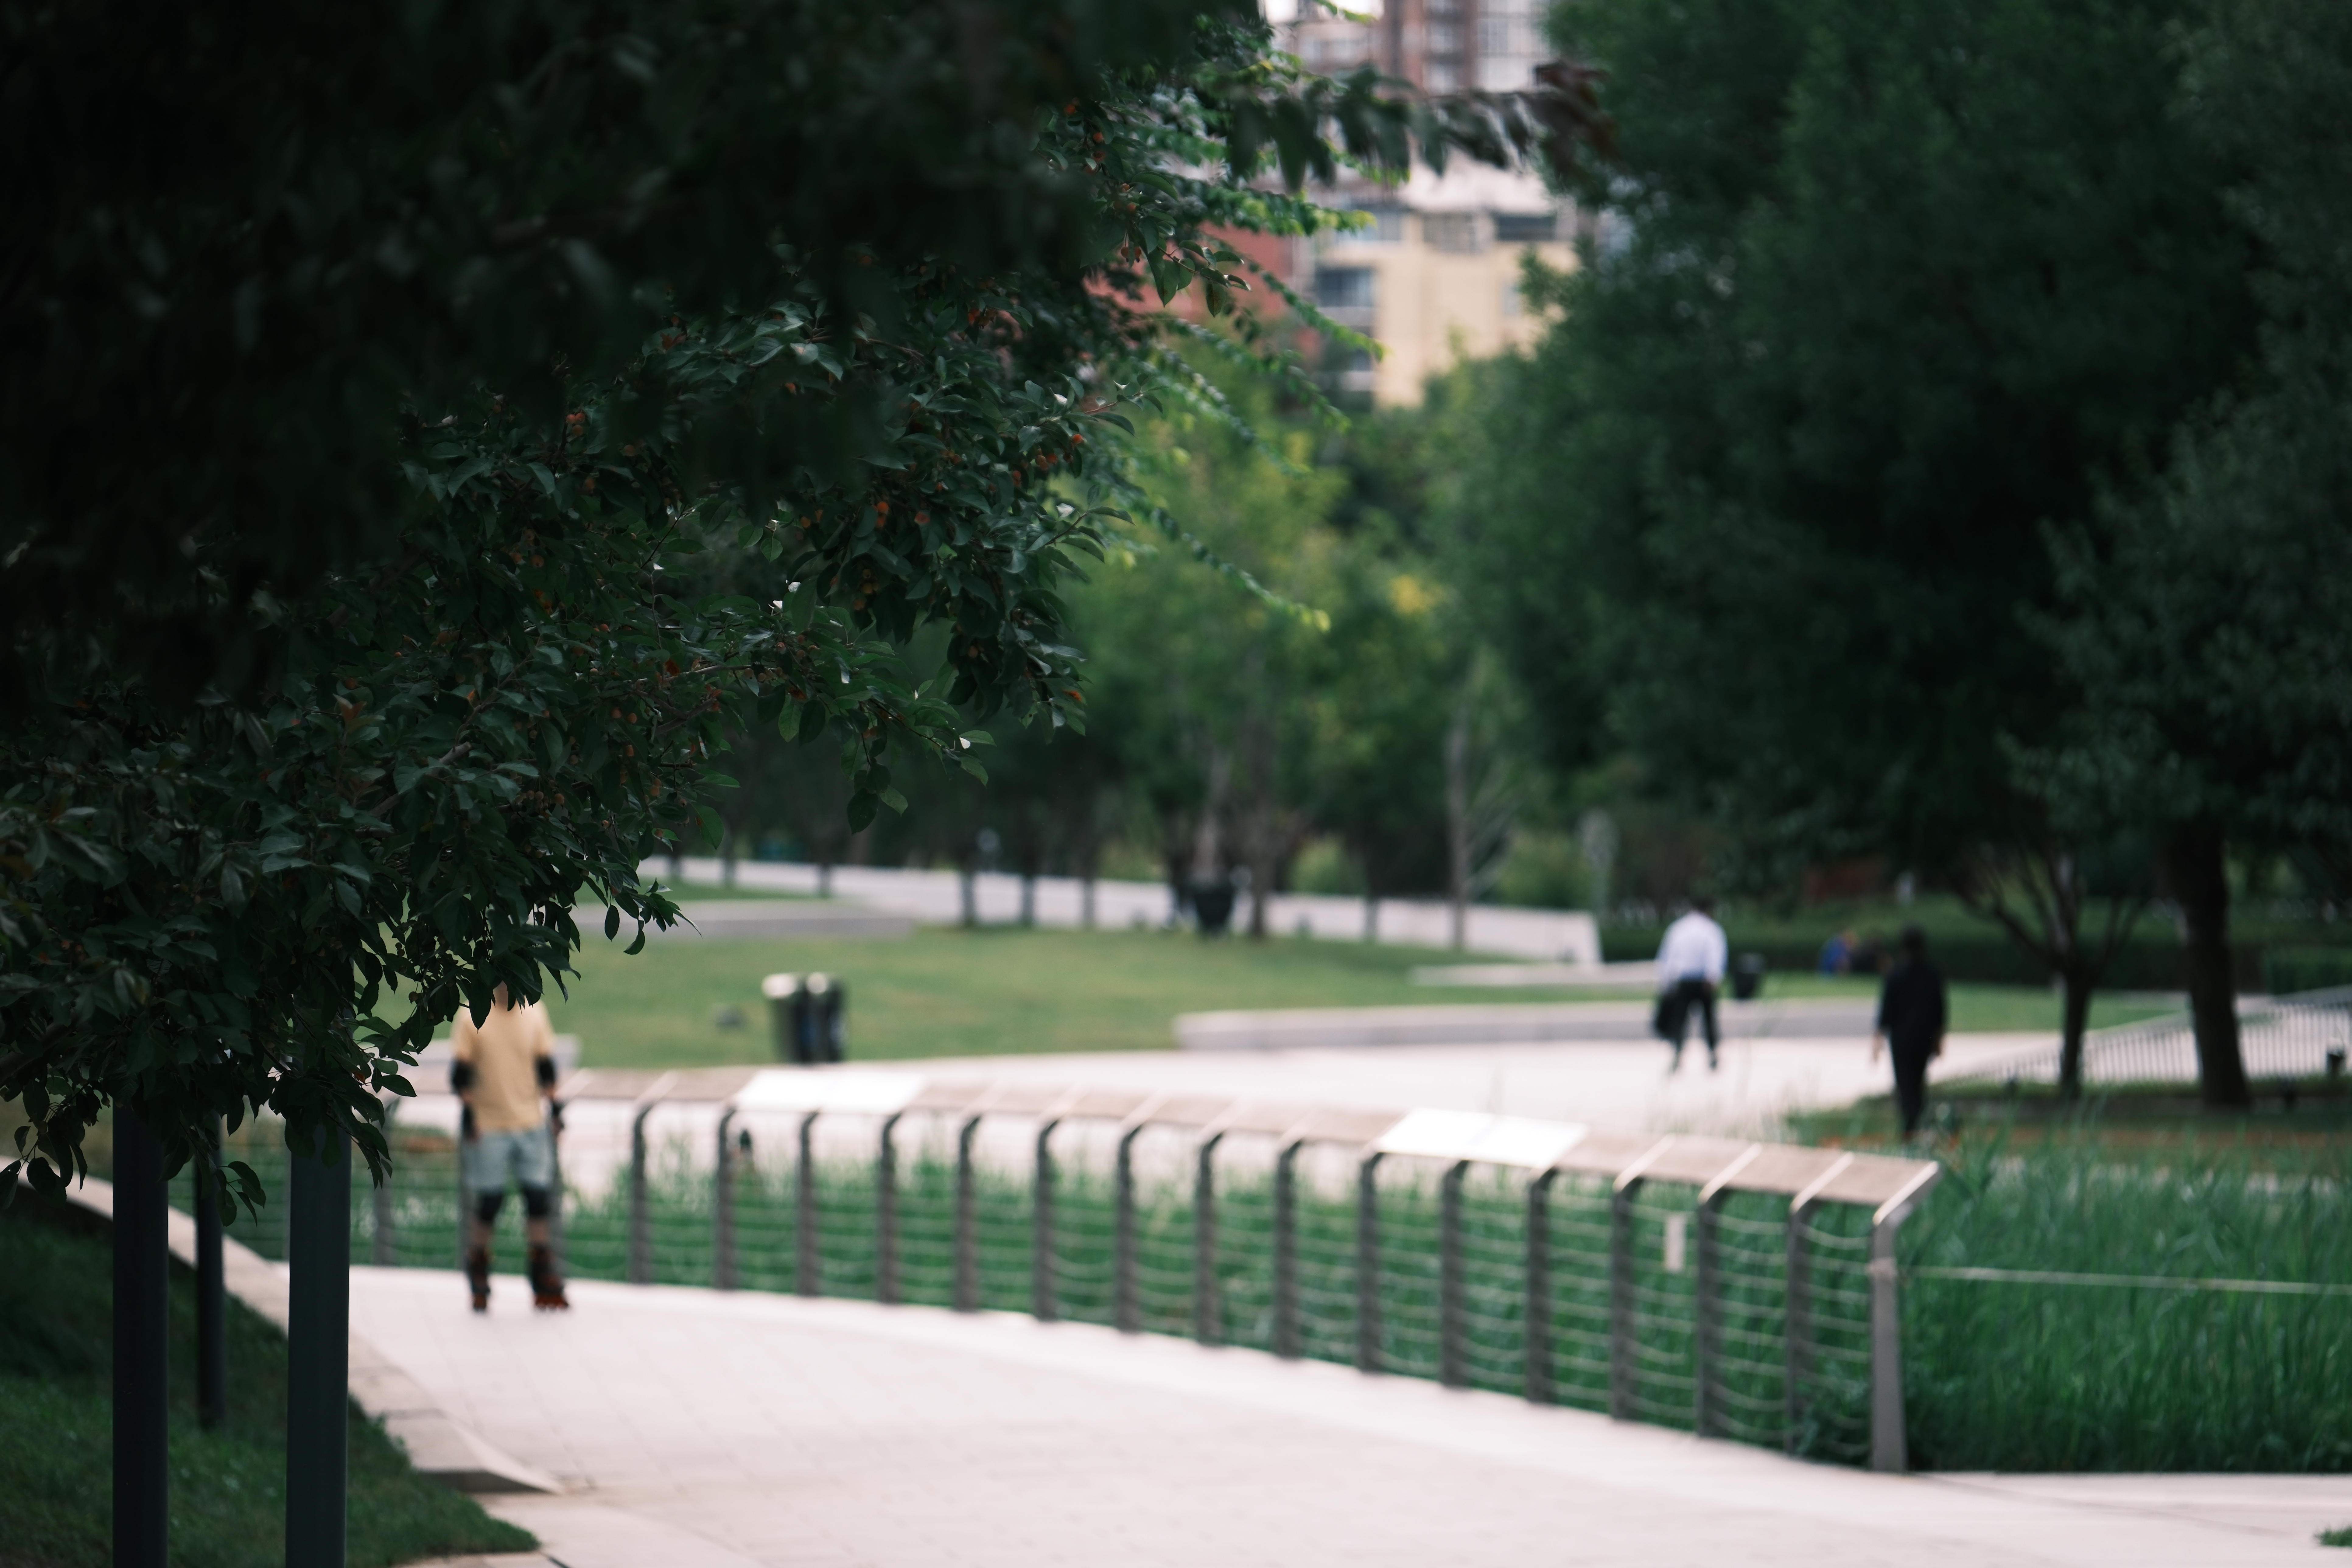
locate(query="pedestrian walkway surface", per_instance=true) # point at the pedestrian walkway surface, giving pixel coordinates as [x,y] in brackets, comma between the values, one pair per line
[694,1428]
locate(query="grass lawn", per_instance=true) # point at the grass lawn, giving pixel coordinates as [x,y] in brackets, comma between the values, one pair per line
[227,1487]
[1983,1009]
[1002,990]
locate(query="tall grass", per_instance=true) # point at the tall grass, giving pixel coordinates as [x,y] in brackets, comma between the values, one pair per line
[2042,1377]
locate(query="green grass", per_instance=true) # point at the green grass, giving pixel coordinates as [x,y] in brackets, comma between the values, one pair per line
[1979,1009]
[948,992]
[2039,1377]
[228,1487]
[1001,991]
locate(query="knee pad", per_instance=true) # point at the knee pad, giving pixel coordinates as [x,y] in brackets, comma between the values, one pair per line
[486,1206]
[537,1202]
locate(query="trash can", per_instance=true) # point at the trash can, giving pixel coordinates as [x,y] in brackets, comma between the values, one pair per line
[826,1029]
[809,1017]
[1747,977]
[1212,905]
[783,994]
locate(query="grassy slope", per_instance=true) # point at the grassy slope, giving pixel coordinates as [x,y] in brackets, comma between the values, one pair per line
[228,1487]
[1002,990]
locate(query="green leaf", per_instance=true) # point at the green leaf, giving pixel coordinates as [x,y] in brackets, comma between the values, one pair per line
[862,807]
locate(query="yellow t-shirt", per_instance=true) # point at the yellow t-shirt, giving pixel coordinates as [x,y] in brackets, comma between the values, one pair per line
[504,1053]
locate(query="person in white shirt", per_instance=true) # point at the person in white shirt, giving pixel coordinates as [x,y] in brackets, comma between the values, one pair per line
[1691,961]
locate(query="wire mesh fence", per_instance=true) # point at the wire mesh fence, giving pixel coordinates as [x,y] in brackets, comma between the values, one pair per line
[1409,1266]
[2301,1036]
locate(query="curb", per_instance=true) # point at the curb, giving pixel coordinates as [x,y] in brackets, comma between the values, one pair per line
[438,1445]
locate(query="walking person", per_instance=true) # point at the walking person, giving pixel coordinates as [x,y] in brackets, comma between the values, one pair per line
[505,1074]
[1691,961]
[1913,1010]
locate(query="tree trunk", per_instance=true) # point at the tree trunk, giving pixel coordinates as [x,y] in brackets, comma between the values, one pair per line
[1457,818]
[2078,987]
[2193,860]
[825,879]
[1028,899]
[968,881]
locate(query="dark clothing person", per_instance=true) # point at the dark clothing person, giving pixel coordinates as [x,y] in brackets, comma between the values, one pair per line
[1690,994]
[1913,1012]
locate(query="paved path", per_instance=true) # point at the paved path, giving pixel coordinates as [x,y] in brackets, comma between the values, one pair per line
[701,1430]
[936,897]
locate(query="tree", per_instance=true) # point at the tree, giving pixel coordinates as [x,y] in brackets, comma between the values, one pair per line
[545,307]
[1879,291]
[2208,628]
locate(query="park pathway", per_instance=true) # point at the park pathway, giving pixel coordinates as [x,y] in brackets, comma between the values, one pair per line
[697,1429]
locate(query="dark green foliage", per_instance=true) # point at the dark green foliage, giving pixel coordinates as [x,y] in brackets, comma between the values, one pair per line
[1881,290]
[227,1486]
[661,372]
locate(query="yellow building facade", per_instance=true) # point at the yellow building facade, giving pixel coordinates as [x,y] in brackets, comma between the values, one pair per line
[1434,276]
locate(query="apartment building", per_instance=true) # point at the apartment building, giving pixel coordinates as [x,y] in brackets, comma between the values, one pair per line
[1433,274]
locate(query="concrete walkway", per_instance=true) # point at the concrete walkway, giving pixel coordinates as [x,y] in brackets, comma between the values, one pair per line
[694,1428]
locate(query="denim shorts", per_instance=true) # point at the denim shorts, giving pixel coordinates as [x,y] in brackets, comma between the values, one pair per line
[525,1156]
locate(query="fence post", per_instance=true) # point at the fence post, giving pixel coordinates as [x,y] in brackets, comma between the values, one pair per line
[1624,1314]
[1536,1319]
[1285,1249]
[1452,1370]
[212,1292]
[641,1241]
[1623,1317]
[1042,1305]
[885,1214]
[382,1251]
[1368,1263]
[722,1206]
[1797,1306]
[1126,1311]
[1705,1349]
[805,1278]
[966,1221]
[1207,1326]
[1888,1447]
[1706,1293]
[1797,1350]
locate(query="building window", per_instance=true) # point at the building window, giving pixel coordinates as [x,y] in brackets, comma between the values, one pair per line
[1525,228]
[1345,288]
[1455,232]
[1386,228]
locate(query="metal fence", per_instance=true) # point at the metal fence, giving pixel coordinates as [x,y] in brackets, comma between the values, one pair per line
[1737,1289]
[2296,1036]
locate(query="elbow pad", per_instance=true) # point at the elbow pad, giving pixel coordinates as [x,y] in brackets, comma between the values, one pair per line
[545,1068]
[461,1077]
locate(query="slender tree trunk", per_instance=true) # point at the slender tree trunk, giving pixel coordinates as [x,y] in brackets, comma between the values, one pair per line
[1028,897]
[2077,981]
[825,879]
[1457,818]
[2200,883]
[967,884]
